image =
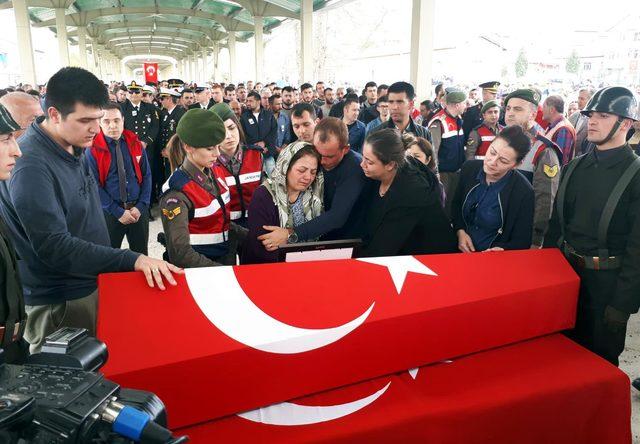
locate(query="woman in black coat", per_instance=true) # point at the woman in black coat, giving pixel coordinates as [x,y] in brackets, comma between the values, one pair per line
[405,216]
[493,206]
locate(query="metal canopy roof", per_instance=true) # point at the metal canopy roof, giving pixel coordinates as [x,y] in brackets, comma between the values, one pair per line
[170,27]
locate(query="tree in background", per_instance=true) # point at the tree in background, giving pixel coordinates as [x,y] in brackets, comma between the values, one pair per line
[522,64]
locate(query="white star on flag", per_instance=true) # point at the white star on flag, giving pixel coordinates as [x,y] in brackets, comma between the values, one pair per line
[399,266]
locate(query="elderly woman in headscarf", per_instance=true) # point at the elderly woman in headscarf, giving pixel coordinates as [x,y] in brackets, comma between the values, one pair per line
[291,197]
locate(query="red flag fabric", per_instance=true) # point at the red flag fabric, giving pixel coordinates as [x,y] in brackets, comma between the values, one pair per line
[230,339]
[546,390]
[151,73]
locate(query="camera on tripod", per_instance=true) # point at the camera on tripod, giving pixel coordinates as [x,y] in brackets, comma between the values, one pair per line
[57,397]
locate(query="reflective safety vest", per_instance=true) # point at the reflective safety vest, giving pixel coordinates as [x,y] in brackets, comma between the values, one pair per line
[538,145]
[209,218]
[242,185]
[486,137]
[451,150]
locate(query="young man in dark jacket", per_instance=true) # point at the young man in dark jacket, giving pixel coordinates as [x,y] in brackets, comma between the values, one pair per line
[493,206]
[52,209]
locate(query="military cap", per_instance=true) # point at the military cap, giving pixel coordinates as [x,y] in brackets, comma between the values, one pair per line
[175,83]
[200,87]
[201,128]
[490,86]
[455,95]
[488,105]
[223,111]
[134,86]
[7,124]
[169,92]
[527,94]
[148,89]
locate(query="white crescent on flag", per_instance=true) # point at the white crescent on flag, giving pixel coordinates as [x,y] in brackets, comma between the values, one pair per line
[223,301]
[291,414]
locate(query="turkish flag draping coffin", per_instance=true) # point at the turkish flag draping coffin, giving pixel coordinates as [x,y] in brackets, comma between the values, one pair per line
[230,339]
[545,390]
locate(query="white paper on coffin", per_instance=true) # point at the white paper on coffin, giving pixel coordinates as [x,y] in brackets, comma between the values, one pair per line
[223,301]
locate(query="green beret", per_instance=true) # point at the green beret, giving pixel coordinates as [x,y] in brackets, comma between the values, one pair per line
[455,95]
[223,111]
[489,104]
[7,124]
[525,94]
[200,128]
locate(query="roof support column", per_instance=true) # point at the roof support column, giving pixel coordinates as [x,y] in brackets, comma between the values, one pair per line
[82,46]
[205,68]
[422,26]
[258,25]
[61,31]
[306,43]
[215,57]
[194,68]
[25,47]
[231,43]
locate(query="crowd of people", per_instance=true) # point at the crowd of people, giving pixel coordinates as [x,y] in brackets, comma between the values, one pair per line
[236,171]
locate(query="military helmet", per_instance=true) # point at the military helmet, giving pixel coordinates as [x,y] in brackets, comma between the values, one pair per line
[615,100]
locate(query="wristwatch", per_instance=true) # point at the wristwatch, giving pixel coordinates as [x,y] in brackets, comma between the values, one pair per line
[293,238]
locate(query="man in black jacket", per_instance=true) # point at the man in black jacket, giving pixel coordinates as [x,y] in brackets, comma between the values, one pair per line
[12,313]
[259,125]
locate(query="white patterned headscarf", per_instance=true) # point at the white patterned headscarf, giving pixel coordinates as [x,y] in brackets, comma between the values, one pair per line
[312,199]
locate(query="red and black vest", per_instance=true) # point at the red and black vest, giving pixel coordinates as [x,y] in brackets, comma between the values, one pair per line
[486,137]
[451,150]
[209,218]
[242,185]
[100,152]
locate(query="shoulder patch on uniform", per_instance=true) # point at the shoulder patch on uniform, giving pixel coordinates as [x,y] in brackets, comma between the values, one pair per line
[550,171]
[170,214]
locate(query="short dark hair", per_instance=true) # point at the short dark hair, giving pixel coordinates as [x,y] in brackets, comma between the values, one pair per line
[370,85]
[439,87]
[332,126]
[328,89]
[427,104]
[274,97]
[516,138]
[63,91]
[299,109]
[387,146]
[241,85]
[287,89]
[555,102]
[307,150]
[350,95]
[351,100]
[186,91]
[305,86]
[254,94]
[34,93]
[113,105]
[402,87]
[319,83]
[383,86]
[229,88]
[382,99]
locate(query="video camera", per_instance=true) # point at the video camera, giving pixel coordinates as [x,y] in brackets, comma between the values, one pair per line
[57,397]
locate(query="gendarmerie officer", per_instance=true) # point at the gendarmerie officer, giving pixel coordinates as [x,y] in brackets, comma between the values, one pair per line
[12,313]
[472,117]
[196,203]
[139,116]
[596,223]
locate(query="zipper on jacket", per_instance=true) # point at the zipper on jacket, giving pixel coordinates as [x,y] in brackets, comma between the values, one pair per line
[501,222]
[465,203]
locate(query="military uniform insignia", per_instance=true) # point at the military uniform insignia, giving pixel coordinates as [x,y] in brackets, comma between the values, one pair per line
[170,214]
[536,97]
[550,171]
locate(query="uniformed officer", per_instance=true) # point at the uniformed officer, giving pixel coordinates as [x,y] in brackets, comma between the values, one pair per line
[203,98]
[542,164]
[195,206]
[140,117]
[472,118]
[12,313]
[169,117]
[596,223]
[482,135]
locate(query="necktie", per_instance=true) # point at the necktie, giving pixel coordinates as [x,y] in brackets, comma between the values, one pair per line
[122,175]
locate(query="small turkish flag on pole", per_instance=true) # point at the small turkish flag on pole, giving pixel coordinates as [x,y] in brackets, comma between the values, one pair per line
[151,73]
